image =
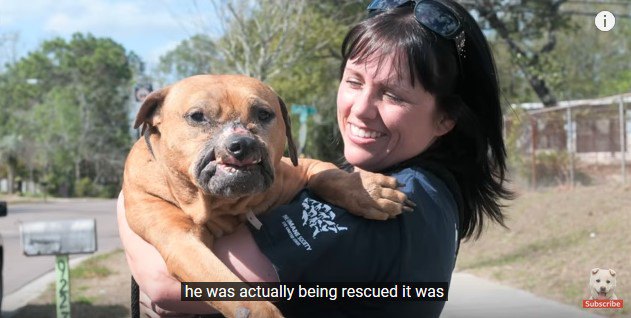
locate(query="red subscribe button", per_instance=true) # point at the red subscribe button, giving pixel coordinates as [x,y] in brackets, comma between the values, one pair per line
[603,303]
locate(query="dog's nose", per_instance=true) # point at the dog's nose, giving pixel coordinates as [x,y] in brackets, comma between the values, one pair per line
[240,147]
[602,288]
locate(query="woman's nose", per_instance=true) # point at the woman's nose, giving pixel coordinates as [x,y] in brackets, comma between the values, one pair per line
[365,105]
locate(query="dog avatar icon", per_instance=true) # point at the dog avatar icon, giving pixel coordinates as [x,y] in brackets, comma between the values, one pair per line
[602,284]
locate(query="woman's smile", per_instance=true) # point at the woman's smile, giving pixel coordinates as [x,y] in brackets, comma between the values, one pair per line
[364,134]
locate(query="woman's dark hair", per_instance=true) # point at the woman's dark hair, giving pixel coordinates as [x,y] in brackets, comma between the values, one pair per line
[464,83]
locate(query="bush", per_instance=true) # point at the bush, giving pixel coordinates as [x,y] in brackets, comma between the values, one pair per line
[84,188]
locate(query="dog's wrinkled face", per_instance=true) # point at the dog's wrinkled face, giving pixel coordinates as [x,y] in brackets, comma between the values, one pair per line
[602,282]
[223,132]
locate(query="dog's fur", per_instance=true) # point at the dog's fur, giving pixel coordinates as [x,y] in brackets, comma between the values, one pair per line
[212,152]
[602,284]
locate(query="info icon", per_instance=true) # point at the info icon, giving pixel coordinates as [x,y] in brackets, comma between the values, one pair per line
[605,21]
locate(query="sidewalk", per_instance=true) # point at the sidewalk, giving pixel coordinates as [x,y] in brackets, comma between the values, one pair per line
[474,297]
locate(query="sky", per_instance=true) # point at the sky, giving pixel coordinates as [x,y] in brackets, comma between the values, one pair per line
[150,28]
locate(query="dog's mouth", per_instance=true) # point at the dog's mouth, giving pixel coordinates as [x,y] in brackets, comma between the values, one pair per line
[232,165]
[224,175]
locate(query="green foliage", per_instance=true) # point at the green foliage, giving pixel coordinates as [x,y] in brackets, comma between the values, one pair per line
[574,59]
[196,55]
[73,119]
[84,188]
[594,63]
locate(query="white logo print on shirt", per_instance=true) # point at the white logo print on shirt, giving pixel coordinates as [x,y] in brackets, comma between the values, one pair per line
[319,217]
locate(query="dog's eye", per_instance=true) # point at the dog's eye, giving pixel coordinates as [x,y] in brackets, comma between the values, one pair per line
[264,115]
[598,280]
[197,116]
[608,282]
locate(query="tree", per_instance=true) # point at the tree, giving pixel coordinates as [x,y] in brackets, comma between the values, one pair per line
[10,149]
[197,55]
[529,29]
[76,114]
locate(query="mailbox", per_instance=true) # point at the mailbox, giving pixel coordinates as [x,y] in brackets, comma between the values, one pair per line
[58,237]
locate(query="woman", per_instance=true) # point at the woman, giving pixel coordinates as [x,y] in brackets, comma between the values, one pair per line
[418,100]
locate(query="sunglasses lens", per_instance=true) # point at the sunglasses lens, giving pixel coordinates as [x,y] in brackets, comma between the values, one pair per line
[382,5]
[437,18]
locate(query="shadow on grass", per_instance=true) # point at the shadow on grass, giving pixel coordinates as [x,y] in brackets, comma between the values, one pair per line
[78,310]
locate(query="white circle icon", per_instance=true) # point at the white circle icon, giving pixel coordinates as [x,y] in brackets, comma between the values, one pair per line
[605,21]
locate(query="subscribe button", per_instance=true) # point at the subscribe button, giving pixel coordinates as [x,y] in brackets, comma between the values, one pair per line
[603,303]
[605,21]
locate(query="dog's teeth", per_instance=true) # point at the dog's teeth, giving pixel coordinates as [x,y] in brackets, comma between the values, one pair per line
[257,161]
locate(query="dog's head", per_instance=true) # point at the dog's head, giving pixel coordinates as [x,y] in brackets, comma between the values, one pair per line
[226,133]
[602,283]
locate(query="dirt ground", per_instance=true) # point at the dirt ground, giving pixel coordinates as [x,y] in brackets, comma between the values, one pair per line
[555,238]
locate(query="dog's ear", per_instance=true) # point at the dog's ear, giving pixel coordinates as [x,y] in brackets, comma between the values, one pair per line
[148,114]
[595,270]
[612,272]
[293,153]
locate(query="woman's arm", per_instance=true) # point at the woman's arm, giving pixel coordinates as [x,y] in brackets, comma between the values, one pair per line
[238,251]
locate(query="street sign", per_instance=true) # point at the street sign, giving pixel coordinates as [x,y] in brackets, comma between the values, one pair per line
[304,111]
[141,91]
[58,237]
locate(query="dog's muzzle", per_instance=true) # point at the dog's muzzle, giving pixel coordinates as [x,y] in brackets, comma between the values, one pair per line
[234,166]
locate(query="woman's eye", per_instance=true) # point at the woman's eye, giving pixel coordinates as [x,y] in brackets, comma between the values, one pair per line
[354,84]
[393,98]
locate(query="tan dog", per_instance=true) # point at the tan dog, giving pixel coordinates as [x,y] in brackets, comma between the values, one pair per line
[602,283]
[212,153]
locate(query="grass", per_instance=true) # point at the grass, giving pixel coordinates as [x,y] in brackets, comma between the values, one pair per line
[99,287]
[555,237]
[92,268]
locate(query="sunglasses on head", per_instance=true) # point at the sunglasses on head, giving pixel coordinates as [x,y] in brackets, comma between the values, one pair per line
[429,13]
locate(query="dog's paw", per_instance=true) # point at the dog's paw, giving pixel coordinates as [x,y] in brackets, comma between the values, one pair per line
[380,197]
[371,195]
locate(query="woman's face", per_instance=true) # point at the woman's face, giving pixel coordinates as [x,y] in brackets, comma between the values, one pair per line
[383,119]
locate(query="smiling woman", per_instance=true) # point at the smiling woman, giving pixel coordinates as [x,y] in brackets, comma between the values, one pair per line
[378,108]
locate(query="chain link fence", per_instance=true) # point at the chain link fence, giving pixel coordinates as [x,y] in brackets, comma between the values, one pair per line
[577,142]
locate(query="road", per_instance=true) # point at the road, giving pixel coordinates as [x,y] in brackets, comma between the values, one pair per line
[19,270]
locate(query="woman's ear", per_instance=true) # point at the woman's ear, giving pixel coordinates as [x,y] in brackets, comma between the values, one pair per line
[444,124]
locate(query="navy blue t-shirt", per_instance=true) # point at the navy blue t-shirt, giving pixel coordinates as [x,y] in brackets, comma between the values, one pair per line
[309,240]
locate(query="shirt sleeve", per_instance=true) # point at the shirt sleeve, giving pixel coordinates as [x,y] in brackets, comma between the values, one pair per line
[309,240]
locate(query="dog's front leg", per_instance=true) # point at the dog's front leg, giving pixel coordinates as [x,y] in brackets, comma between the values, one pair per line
[185,247]
[371,195]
